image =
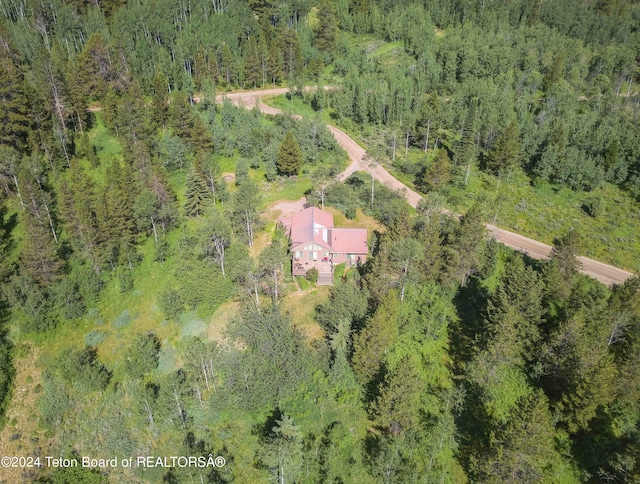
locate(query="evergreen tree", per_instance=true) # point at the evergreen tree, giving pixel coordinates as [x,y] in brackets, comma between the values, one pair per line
[397,408]
[197,195]
[284,451]
[504,155]
[523,450]
[14,123]
[227,66]
[291,49]
[562,268]
[466,146]
[290,157]
[142,356]
[438,173]
[115,215]
[327,29]
[466,252]
[521,289]
[254,69]
[160,99]
[375,340]
[94,69]
[274,63]
[77,208]
[39,257]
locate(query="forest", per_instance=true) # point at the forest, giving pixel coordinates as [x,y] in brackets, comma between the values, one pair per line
[147,305]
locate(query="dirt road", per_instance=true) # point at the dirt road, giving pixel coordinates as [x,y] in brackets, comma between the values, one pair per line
[604,273]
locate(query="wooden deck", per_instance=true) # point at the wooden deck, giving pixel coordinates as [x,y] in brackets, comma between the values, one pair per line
[325,271]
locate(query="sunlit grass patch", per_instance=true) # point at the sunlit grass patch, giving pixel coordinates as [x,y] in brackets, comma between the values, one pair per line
[301,307]
[545,212]
[361,220]
[220,318]
[107,146]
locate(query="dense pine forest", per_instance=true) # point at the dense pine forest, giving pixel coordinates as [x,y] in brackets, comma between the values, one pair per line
[147,306]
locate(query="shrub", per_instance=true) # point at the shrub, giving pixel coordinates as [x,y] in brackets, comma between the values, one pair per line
[270,170]
[312,275]
[125,280]
[122,320]
[242,171]
[167,358]
[171,303]
[593,207]
[94,338]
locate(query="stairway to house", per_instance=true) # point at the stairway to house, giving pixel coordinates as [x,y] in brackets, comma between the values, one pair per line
[325,278]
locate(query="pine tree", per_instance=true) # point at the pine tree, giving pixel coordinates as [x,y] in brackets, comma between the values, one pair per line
[93,66]
[290,156]
[291,53]
[253,64]
[438,172]
[115,215]
[466,145]
[398,406]
[133,115]
[160,99]
[39,257]
[468,245]
[523,450]
[327,29]
[505,153]
[77,208]
[274,63]
[562,268]
[227,67]
[375,339]
[197,195]
[201,139]
[13,106]
[284,451]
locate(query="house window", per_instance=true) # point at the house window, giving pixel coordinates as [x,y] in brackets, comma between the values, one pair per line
[314,255]
[299,254]
[325,254]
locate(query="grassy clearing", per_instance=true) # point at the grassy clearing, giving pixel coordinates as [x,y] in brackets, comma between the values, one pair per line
[295,105]
[220,318]
[282,188]
[21,435]
[107,146]
[301,307]
[361,221]
[546,212]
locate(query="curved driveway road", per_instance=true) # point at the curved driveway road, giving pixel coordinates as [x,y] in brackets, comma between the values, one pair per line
[604,273]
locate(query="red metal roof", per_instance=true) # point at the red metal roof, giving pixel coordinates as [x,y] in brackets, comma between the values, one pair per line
[310,225]
[349,241]
[315,225]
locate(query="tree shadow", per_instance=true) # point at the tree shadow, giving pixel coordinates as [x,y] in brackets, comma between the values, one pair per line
[471,307]
[598,451]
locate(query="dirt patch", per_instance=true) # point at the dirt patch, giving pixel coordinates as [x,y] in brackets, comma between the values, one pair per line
[287,207]
[228,177]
